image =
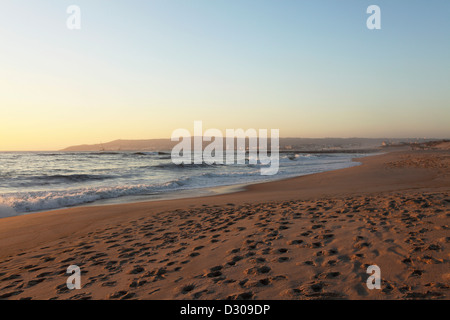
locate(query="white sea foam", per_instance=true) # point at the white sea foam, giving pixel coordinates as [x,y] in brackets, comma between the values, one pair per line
[46,200]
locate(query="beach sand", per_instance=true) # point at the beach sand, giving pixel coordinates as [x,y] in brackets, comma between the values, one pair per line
[309,237]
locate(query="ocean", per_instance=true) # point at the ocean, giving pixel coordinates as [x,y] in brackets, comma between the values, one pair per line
[38,181]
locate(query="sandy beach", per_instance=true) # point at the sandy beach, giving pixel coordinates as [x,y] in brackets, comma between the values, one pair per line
[310,237]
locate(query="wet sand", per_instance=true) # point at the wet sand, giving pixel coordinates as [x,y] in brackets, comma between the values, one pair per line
[310,237]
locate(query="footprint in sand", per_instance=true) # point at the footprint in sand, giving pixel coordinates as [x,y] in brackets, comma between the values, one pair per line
[258,270]
[187,288]
[241,296]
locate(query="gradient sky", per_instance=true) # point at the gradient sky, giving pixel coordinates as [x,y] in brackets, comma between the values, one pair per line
[141,69]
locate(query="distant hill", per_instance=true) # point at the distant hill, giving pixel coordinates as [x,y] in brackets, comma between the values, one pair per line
[125,145]
[295,144]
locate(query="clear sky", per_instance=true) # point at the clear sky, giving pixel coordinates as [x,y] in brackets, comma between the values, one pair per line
[141,69]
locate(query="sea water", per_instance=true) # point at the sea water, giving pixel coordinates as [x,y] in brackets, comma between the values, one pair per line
[37,181]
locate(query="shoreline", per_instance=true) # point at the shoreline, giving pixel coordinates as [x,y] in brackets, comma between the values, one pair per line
[172,234]
[182,193]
